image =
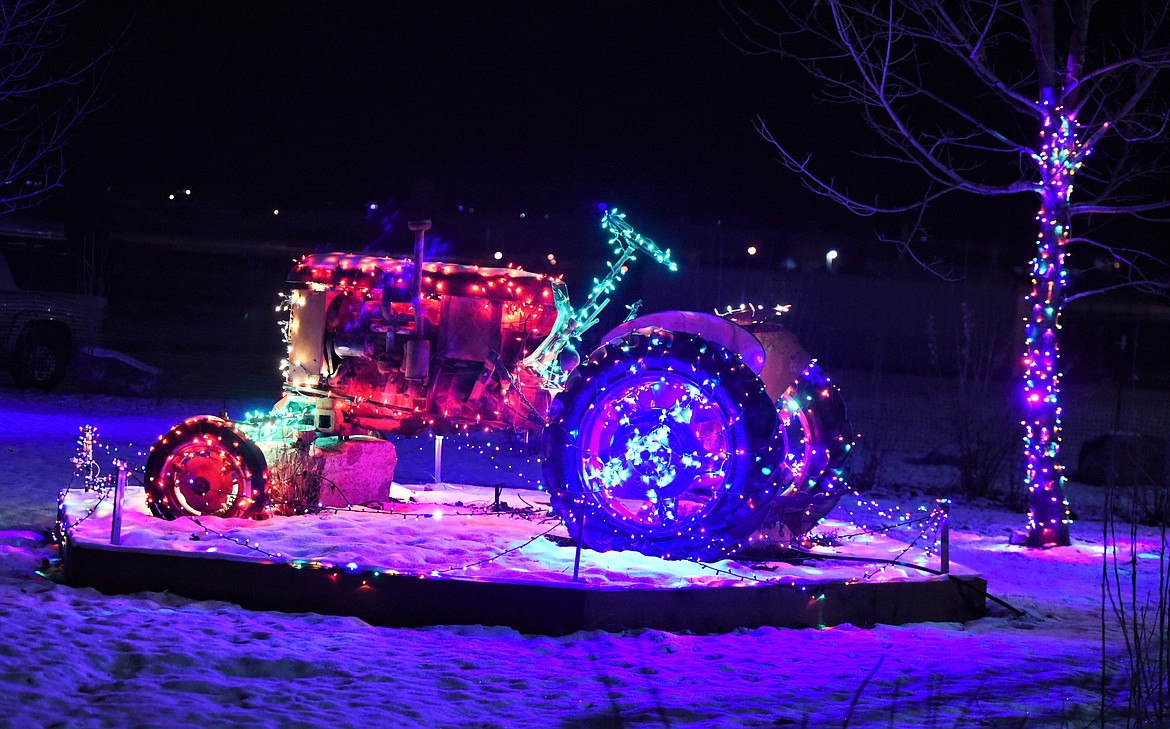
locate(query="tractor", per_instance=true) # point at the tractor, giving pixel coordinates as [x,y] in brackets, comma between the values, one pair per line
[681,435]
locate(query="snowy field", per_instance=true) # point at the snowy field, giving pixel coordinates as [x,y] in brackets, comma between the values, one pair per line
[77,658]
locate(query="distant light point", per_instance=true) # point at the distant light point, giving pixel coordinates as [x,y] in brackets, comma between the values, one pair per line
[498,255]
[752,250]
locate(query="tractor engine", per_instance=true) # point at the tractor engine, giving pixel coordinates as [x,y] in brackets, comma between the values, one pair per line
[391,359]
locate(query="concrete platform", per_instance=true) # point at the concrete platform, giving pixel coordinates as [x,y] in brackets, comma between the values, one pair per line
[222,560]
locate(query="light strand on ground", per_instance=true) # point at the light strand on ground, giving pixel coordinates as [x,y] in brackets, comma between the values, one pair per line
[87,467]
[246,543]
[504,553]
[64,528]
[353,566]
[937,525]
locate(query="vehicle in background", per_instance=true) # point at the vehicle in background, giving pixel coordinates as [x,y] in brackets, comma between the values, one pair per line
[45,317]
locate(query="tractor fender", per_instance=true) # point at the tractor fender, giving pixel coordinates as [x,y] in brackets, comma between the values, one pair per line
[716,329]
[767,348]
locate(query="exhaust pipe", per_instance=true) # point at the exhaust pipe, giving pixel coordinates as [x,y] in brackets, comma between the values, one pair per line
[418,349]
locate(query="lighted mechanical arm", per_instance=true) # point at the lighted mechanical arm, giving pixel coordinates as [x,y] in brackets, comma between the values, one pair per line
[546,361]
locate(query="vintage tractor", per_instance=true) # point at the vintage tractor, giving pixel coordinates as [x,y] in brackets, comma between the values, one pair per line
[682,435]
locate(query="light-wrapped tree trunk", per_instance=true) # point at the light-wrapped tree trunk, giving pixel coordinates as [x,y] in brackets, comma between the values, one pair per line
[952,91]
[1048,512]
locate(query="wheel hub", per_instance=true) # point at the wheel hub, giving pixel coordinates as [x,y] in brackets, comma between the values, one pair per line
[199,485]
[652,456]
[206,478]
[42,363]
[656,449]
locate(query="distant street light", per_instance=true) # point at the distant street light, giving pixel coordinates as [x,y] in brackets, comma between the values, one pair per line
[498,255]
[752,250]
[830,258]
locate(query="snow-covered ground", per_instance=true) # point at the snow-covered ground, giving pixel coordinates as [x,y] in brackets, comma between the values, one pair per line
[77,658]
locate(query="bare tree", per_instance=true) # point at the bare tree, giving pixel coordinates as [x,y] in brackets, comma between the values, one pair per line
[43,97]
[1000,98]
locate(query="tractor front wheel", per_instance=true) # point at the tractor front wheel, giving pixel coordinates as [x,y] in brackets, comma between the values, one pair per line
[205,467]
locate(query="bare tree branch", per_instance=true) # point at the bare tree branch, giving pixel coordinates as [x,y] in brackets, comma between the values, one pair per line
[1001,97]
[42,97]
[926,110]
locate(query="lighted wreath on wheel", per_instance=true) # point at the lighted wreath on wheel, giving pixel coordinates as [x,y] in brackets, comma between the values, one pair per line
[204,466]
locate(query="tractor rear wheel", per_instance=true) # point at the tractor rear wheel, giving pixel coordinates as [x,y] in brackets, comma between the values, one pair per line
[663,443]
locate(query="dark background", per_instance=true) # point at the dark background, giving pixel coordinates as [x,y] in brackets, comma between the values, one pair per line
[509,124]
[546,110]
[513,107]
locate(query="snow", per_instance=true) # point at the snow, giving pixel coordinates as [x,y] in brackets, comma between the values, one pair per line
[452,531]
[77,658]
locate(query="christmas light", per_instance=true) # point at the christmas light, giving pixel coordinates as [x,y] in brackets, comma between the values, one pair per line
[205,465]
[925,523]
[675,449]
[547,361]
[663,446]
[1058,160]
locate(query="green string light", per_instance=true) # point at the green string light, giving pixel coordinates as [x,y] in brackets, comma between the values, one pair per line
[546,361]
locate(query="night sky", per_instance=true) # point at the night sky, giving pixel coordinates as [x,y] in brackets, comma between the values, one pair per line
[513,105]
[543,108]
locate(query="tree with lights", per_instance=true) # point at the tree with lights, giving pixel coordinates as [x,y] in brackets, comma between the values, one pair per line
[1001,98]
[42,97]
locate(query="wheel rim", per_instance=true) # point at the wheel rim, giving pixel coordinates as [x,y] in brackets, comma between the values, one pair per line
[817,439]
[656,452]
[798,440]
[202,476]
[41,363]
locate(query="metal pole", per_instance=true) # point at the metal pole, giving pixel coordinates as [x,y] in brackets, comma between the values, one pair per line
[944,547]
[119,492]
[417,348]
[580,539]
[438,459]
[420,227]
